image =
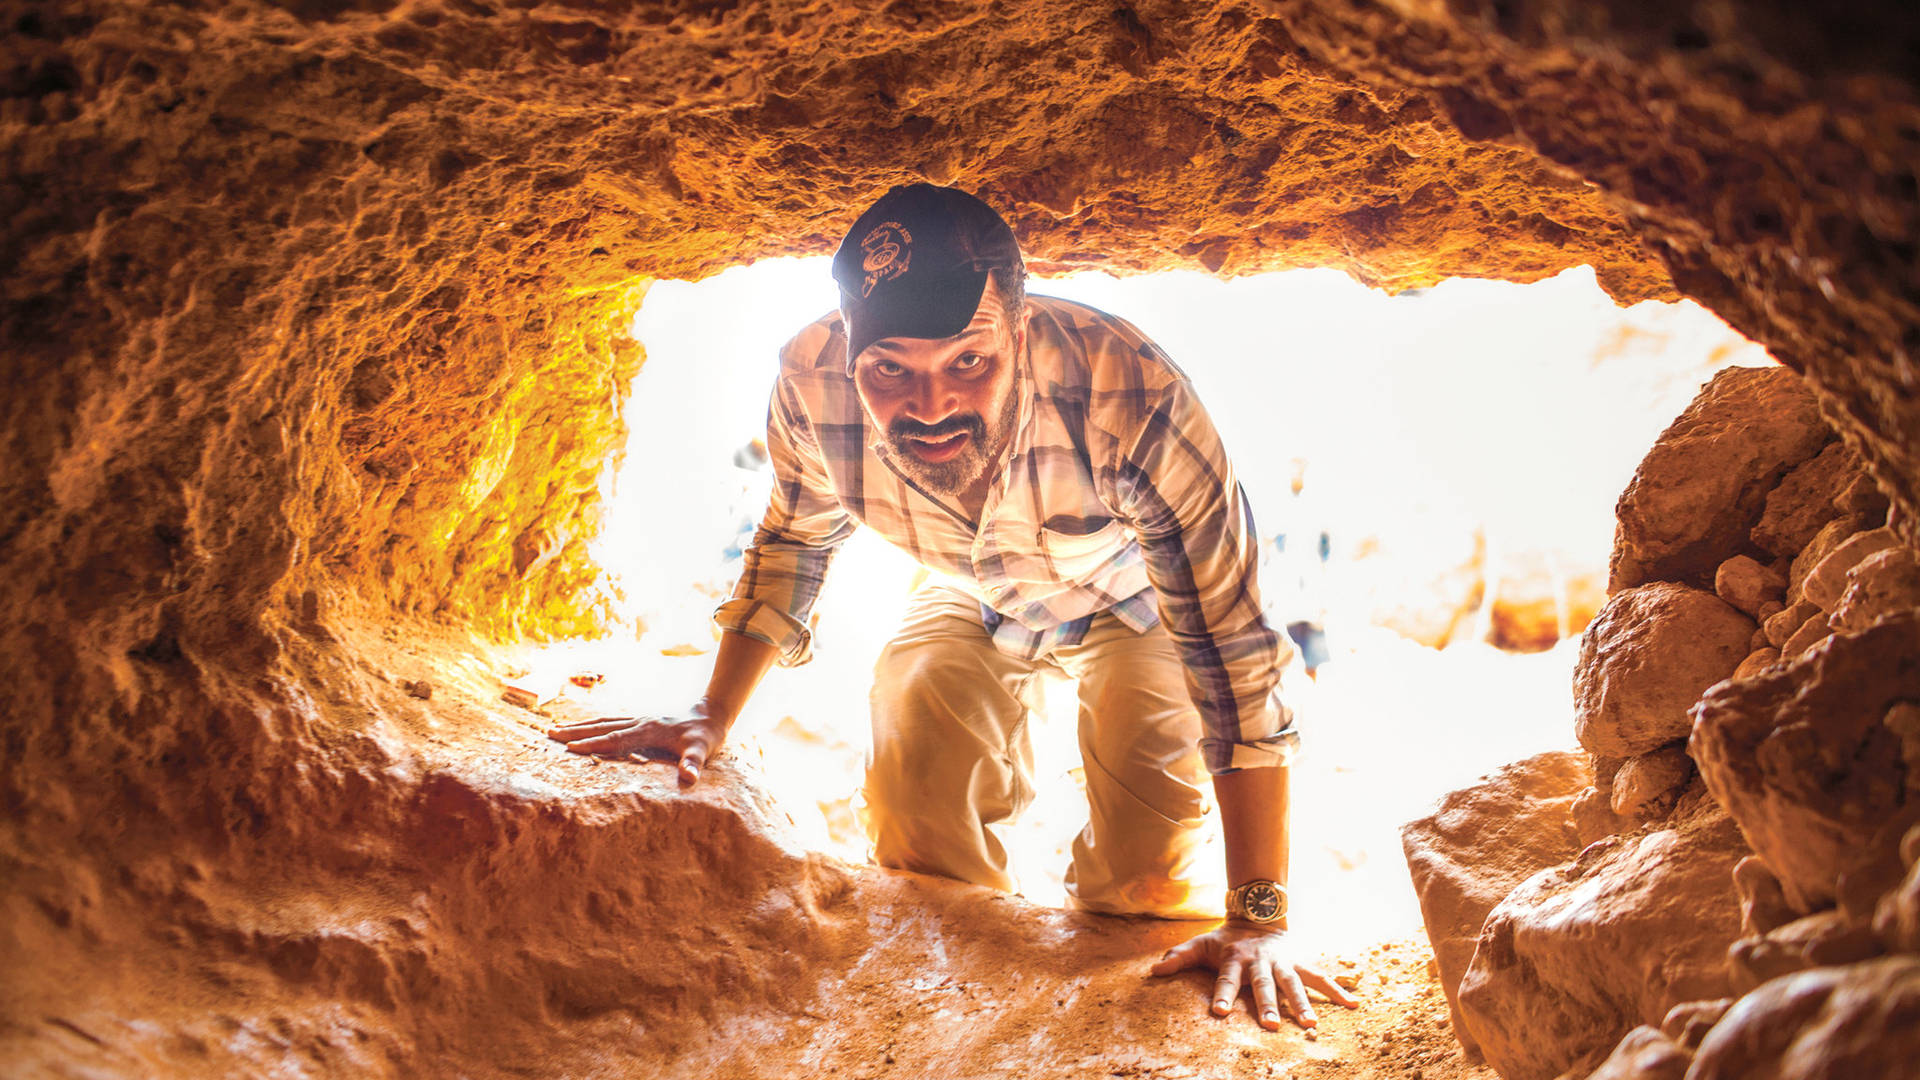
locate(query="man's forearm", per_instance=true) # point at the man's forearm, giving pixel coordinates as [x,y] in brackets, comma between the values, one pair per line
[737,669]
[1255,816]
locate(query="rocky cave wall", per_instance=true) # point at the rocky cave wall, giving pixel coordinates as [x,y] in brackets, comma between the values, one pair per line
[314,317]
[1747,803]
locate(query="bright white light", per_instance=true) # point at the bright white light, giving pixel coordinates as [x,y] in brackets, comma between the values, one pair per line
[1524,408]
[713,350]
[1515,411]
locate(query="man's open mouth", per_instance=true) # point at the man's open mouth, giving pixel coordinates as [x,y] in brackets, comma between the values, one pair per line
[939,448]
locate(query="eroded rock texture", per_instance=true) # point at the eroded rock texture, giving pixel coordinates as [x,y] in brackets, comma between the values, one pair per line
[313,323]
[1480,843]
[1806,751]
[1578,954]
[1804,759]
[1698,494]
[1645,660]
[1852,1020]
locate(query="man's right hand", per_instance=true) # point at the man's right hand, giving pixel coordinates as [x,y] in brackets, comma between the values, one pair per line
[686,742]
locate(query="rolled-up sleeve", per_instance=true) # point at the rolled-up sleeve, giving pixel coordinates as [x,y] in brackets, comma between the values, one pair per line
[1175,486]
[802,529]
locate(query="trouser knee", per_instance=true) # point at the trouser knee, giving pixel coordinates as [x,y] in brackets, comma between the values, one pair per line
[947,762]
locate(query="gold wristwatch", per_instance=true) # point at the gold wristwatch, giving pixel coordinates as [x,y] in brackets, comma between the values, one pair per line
[1258,901]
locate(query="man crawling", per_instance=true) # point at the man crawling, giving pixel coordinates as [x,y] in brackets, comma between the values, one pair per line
[1057,474]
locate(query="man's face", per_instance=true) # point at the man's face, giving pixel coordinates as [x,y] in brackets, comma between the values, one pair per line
[946,406]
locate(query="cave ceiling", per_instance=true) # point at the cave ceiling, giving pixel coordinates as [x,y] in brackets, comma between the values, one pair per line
[388,245]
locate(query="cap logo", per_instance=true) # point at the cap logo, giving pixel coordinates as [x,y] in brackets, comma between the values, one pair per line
[885,253]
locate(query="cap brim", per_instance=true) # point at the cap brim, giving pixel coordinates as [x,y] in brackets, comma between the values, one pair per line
[926,306]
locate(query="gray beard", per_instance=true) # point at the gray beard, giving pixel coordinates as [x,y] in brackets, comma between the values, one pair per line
[956,476]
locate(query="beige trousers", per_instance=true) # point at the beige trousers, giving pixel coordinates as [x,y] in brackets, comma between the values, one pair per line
[953,757]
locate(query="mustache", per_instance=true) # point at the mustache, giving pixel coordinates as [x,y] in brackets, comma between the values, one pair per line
[971,423]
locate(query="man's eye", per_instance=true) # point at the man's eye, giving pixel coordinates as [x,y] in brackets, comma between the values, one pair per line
[969,362]
[889,369]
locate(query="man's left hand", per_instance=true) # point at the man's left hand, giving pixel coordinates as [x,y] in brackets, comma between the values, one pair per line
[1260,957]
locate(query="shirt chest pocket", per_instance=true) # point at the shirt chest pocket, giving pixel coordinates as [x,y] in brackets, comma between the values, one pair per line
[1075,548]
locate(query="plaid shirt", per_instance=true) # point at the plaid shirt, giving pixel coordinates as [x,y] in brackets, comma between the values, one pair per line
[1116,496]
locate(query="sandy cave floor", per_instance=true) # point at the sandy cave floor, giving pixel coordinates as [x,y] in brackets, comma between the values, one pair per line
[958,980]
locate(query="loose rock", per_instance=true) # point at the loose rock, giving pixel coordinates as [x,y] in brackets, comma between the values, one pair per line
[1763,906]
[1827,580]
[1688,1022]
[1883,583]
[1830,536]
[1804,501]
[1747,584]
[1862,497]
[1576,956]
[1825,937]
[1757,661]
[1811,633]
[1644,662]
[1800,756]
[1826,1022]
[1593,816]
[1647,1053]
[1700,490]
[1481,842]
[1781,625]
[1648,785]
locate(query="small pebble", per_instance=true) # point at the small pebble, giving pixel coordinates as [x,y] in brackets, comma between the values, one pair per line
[1347,982]
[421,689]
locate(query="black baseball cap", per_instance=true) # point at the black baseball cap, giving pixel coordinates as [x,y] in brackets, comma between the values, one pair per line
[915,264]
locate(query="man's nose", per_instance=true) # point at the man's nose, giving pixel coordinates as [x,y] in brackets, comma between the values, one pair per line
[930,399]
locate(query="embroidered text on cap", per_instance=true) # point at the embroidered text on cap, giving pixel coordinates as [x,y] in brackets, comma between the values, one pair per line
[887,251]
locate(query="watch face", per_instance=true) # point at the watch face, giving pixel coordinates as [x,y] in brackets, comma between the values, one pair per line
[1262,902]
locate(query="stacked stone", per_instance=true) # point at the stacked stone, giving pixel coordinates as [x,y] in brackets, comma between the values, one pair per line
[1705,556]
[1749,701]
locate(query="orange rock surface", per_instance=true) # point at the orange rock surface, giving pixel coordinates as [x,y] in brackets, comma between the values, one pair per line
[313,320]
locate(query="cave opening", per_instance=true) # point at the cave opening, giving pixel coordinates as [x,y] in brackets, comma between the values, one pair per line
[1432,473]
[316,324]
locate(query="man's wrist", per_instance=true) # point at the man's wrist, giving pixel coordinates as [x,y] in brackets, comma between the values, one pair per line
[1278,926]
[718,717]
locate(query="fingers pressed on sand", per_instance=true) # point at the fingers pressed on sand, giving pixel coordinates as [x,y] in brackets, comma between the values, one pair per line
[1266,1006]
[1226,988]
[1297,1003]
[1179,958]
[569,732]
[1332,990]
[603,744]
[608,722]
